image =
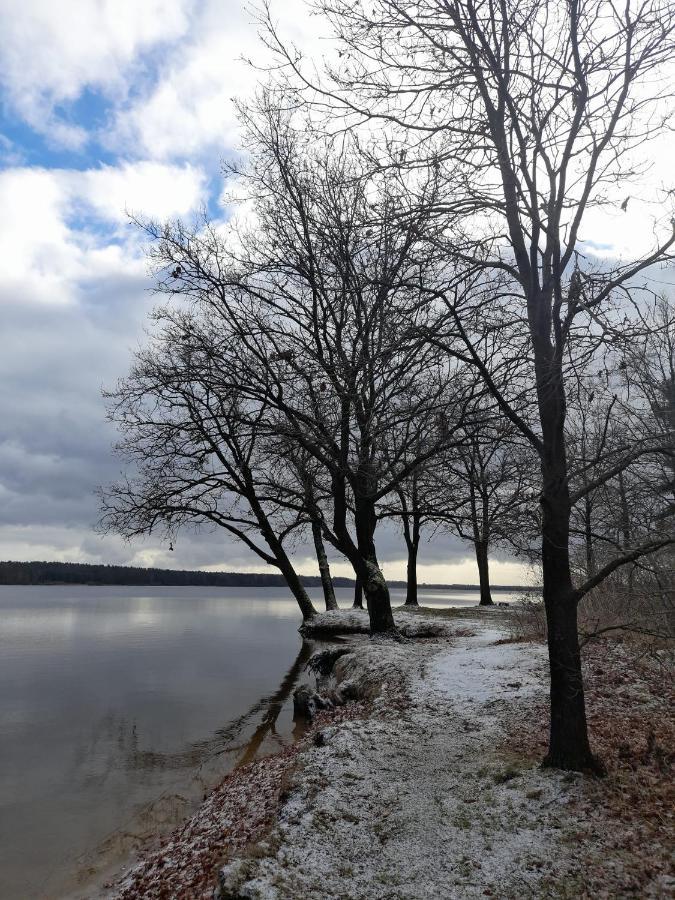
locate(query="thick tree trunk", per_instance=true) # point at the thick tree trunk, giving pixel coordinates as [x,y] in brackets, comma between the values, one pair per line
[362,554]
[411,579]
[569,747]
[378,601]
[368,570]
[483,573]
[358,595]
[324,567]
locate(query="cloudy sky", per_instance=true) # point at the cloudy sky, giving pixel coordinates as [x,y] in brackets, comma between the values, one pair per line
[107,106]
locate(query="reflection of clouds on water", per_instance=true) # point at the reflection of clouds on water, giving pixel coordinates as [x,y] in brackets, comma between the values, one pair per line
[114,697]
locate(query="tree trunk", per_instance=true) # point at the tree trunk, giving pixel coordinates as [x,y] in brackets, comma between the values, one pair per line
[324,567]
[378,601]
[362,554]
[483,573]
[411,581]
[569,747]
[368,570]
[358,594]
[281,557]
[296,588]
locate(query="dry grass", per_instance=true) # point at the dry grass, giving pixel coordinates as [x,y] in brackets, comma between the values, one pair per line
[645,611]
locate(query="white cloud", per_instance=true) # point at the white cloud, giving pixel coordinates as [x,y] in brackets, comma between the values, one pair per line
[189,110]
[151,188]
[45,255]
[51,51]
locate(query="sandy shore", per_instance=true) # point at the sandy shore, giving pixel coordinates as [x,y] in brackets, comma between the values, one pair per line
[426,787]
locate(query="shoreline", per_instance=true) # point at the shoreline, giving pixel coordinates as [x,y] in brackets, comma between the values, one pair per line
[428,785]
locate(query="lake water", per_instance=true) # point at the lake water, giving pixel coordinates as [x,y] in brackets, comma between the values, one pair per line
[120,707]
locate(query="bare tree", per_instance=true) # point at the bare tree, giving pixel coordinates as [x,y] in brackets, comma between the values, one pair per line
[199,455]
[405,505]
[323,292]
[533,112]
[483,493]
[621,443]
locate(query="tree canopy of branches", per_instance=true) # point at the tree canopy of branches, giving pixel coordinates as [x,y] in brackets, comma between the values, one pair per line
[532,113]
[483,493]
[316,297]
[200,454]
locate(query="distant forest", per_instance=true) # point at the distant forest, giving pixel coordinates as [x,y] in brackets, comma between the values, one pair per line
[84,573]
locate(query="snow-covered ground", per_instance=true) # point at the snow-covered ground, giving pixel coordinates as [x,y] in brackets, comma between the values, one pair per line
[416,801]
[428,786]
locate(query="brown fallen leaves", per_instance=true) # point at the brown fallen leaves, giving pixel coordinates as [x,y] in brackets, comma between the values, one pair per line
[621,826]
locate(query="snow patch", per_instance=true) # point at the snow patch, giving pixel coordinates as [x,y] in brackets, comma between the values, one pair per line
[414,803]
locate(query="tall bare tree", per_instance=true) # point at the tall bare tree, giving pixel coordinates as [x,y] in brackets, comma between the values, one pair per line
[198,455]
[483,493]
[533,112]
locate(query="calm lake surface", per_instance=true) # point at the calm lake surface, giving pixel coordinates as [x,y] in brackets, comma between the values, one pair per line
[120,707]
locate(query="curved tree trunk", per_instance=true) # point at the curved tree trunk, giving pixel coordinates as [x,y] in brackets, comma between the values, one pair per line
[368,570]
[282,560]
[324,567]
[297,589]
[358,595]
[483,573]
[362,554]
[378,601]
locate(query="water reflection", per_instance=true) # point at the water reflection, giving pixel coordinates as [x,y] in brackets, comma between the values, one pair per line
[120,707]
[234,744]
[275,704]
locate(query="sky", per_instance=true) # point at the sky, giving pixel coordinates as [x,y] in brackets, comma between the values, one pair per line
[109,107]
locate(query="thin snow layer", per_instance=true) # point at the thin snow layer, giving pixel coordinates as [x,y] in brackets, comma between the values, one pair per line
[414,802]
[481,670]
[356,621]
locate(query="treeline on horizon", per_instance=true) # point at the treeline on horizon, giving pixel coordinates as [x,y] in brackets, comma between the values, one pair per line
[87,573]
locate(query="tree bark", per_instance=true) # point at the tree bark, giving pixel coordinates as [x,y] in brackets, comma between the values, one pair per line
[483,573]
[378,601]
[568,744]
[358,594]
[569,747]
[411,580]
[281,557]
[324,567]
[296,588]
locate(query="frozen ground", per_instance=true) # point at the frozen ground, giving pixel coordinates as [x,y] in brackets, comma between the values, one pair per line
[415,801]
